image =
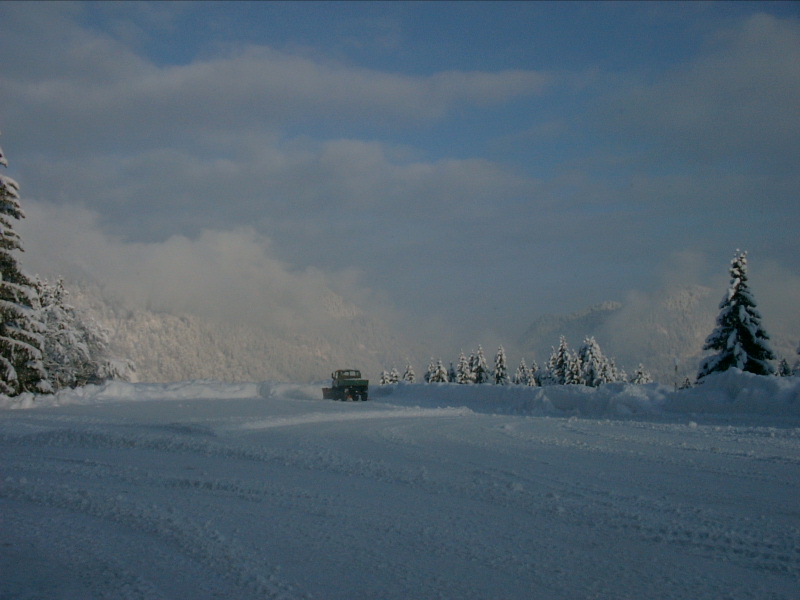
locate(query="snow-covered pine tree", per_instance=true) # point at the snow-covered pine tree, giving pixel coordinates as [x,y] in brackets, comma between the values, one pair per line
[463,370]
[452,376]
[21,333]
[616,373]
[533,375]
[739,339]
[431,371]
[641,376]
[384,378]
[594,365]
[480,371]
[500,368]
[559,364]
[521,375]
[409,376]
[438,374]
[394,376]
[76,350]
[65,350]
[784,370]
[574,373]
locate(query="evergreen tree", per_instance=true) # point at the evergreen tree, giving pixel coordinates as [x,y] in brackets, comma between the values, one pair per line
[452,376]
[641,376]
[463,370]
[558,366]
[595,368]
[481,372]
[394,376]
[784,370]
[438,374]
[616,373]
[500,368]
[739,339]
[409,376]
[76,350]
[521,375]
[384,378]
[21,333]
[431,371]
[533,375]
[574,372]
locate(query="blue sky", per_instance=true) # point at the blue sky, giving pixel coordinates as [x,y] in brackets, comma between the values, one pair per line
[461,166]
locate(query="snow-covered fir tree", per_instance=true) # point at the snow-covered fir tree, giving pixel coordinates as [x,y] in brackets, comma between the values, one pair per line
[452,375]
[429,371]
[521,374]
[784,370]
[574,373]
[76,347]
[641,376]
[408,375]
[480,369]
[463,370]
[739,339]
[394,376]
[500,368]
[384,378]
[558,367]
[21,333]
[595,368]
[616,373]
[533,375]
[438,373]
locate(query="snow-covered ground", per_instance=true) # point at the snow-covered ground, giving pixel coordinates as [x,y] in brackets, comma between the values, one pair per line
[207,490]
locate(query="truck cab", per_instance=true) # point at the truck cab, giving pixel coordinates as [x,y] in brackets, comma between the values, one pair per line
[347,384]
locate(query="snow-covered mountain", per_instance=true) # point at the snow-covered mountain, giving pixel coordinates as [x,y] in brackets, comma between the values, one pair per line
[665,331]
[662,331]
[168,346]
[659,330]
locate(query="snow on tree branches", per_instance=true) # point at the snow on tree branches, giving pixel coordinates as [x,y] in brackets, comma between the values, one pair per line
[45,344]
[589,366]
[76,348]
[739,339]
[21,333]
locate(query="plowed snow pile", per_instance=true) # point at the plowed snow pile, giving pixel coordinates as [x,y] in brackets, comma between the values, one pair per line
[209,490]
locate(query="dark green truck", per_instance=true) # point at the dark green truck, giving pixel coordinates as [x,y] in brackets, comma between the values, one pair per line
[347,385]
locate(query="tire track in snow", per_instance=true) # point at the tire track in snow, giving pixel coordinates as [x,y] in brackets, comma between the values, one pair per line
[197,542]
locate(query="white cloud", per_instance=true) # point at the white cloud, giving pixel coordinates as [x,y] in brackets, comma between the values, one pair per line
[740,96]
[90,89]
[223,274]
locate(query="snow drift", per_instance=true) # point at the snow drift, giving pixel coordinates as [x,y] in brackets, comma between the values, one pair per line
[729,393]
[262,490]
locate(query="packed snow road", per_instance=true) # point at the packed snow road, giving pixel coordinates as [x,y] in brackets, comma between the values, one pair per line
[241,492]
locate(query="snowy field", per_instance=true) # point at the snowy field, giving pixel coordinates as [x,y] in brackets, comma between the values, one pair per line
[253,491]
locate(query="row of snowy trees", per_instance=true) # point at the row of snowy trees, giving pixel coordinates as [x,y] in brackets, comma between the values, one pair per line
[588,366]
[738,341]
[45,343]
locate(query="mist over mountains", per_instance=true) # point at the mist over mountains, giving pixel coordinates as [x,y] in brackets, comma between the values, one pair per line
[664,331]
[168,347]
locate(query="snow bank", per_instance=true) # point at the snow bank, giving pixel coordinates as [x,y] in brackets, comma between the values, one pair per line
[730,393]
[119,391]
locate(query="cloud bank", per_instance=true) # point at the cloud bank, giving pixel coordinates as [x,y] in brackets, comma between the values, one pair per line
[467,199]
